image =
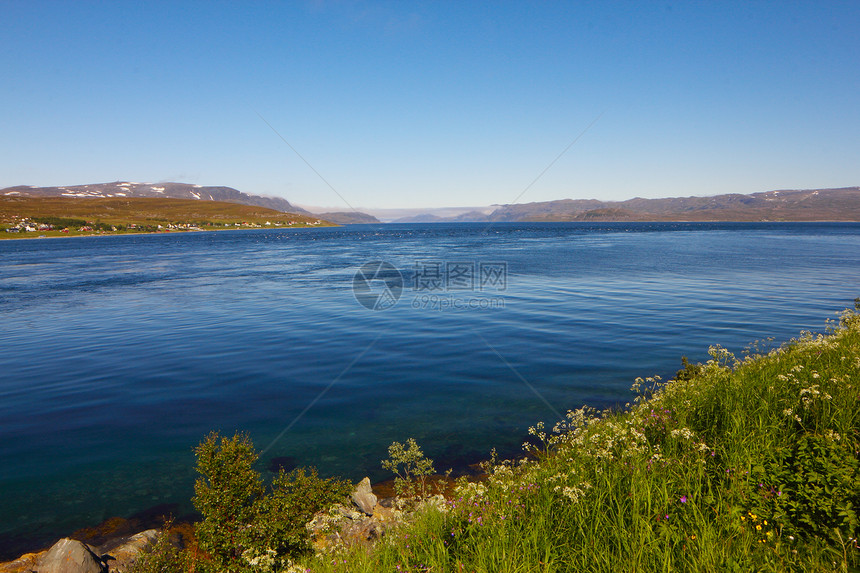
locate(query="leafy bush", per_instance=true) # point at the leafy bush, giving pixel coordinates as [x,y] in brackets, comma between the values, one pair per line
[295,498]
[689,371]
[411,468]
[244,526]
[163,557]
[226,494]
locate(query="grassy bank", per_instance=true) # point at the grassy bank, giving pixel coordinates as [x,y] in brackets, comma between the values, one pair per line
[88,216]
[737,465]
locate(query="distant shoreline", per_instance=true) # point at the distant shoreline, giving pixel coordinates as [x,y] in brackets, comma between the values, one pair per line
[28,235]
[33,217]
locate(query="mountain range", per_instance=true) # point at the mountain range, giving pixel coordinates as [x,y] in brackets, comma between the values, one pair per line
[181,191]
[164,190]
[842,204]
[839,204]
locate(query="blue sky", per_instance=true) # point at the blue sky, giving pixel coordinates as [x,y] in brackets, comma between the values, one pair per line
[400,104]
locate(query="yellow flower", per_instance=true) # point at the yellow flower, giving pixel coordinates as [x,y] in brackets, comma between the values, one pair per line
[693,536]
[764,522]
[758,527]
[753,516]
[743,518]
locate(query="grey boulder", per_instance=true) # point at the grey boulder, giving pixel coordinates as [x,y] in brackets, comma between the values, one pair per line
[70,556]
[121,554]
[364,497]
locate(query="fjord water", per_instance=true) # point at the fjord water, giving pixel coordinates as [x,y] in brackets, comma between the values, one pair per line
[118,354]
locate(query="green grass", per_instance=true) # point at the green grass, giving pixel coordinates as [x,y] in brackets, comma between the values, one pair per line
[747,465]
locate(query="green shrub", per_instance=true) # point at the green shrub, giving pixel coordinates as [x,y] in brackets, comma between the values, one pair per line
[411,468]
[163,557]
[689,371]
[295,498]
[244,526]
[226,494]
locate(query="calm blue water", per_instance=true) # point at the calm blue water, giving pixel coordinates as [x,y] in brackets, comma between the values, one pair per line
[118,354]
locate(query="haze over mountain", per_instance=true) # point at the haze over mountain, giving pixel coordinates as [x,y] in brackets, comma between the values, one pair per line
[842,204]
[164,190]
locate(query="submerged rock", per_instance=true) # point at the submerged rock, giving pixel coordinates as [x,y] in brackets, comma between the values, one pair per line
[71,556]
[285,463]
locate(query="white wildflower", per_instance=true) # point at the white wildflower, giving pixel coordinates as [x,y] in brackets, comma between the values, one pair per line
[576,492]
[262,561]
[833,436]
[685,433]
[471,491]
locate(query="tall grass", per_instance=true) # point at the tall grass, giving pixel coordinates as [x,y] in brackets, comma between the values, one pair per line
[737,465]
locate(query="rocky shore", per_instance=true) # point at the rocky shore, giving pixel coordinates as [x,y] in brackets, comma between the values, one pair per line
[74,556]
[111,548]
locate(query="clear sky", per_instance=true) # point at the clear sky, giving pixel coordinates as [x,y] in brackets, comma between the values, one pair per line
[401,104]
